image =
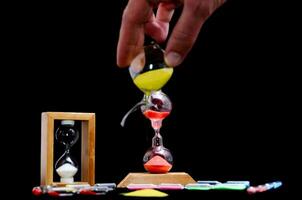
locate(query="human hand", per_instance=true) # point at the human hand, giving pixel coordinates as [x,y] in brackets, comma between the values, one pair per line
[139,19]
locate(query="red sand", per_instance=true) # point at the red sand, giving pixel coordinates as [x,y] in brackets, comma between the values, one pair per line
[151,114]
[157,165]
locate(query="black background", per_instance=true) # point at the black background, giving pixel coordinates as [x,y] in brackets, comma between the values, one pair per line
[233,97]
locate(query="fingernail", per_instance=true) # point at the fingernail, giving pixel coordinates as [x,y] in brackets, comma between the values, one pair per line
[173,59]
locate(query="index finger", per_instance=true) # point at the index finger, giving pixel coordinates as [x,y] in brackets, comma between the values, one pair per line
[185,33]
[131,38]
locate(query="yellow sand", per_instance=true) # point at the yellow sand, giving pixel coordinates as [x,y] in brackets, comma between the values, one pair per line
[153,80]
[145,193]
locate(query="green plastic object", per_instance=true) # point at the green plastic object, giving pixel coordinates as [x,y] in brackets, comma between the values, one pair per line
[229,187]
[196,186]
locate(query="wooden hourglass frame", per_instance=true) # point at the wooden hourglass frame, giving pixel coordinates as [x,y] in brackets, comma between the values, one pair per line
[87,145]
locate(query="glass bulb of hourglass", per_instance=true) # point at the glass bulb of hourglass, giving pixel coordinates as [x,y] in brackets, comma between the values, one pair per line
[66,166]
[149,70]
[149,73]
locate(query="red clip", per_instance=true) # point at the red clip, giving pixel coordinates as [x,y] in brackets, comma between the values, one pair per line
[87,192]
[37,191]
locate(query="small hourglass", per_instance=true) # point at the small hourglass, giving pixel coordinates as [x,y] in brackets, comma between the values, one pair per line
[150,73]
[66,166]
[157,159]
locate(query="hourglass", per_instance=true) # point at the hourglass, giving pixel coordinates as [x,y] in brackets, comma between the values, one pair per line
[157,159]
[150,73]
[66,166]
[66,135]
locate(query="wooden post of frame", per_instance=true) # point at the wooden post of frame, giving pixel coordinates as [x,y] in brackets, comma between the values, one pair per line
[87,146]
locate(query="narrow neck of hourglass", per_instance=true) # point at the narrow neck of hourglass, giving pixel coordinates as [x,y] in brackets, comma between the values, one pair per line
[156,124]
[67,149]
[157,140]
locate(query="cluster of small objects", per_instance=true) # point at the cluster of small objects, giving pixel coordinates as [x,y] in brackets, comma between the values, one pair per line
[233,185]
[263,188]
[210,185]
[72,189]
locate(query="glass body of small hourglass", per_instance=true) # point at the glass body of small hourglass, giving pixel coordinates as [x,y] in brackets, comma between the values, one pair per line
[66,166]
[157,159]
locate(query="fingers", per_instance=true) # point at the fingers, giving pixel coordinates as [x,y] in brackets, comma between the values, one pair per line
[158,27]
[186,30]
[138,19]
[131,38]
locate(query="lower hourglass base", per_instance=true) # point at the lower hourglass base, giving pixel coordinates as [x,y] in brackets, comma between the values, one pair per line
[60,184]
[67,180]
[147,178]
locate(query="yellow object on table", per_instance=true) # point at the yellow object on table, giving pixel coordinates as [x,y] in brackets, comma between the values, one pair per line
[146,193]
